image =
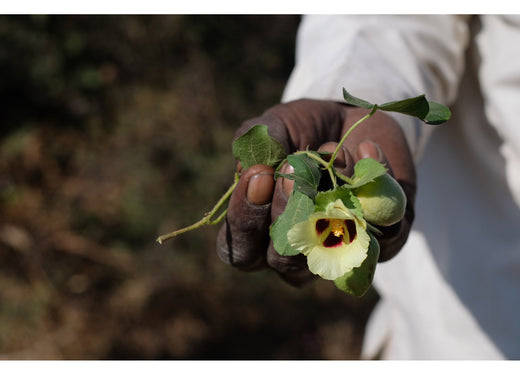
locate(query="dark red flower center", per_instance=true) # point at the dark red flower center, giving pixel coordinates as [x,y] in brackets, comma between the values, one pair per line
[321,225]
[332,241]
[338,229]
[351,228]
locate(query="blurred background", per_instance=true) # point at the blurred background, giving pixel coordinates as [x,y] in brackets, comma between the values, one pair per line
[114,130]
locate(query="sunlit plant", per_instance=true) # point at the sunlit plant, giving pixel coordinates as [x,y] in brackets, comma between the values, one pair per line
[334,227]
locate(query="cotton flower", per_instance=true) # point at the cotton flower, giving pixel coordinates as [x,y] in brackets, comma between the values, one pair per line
[335,240]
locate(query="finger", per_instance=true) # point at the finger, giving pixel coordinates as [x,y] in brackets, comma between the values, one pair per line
[243,239]
[395,236]
[370,149]
[381,138]
[282,191]
[293,269]
[384,132]
[301,124]
[343,163]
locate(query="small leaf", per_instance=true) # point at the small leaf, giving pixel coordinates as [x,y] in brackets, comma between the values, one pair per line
[366,170]
[256,146]
[298,209]
[416,106]
[350,201]
[324,198]
[358,281]
[306,175]
[350,99]
[431,113]
[437,114]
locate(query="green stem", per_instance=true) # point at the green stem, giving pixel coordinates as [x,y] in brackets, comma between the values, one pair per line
[346,179]
[324,163]
[207,218]
[333,157]
[217,220]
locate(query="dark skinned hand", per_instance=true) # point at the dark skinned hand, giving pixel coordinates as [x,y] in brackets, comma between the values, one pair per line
[243,240]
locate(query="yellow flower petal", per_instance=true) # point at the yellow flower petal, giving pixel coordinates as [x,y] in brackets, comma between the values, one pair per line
[331,261]
[303,237]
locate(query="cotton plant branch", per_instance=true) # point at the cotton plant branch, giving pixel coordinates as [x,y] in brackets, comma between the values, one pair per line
[334,225]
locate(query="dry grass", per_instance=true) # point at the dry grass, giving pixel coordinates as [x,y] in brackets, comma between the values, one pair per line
[117,129]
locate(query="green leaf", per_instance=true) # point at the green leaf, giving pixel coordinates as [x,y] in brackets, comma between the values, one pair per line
[350,201]
[366,170]
[358,281]
[256,146]
[416,106]
[437,114]
[431,113]
[350,99]
[298,209]
[306,175]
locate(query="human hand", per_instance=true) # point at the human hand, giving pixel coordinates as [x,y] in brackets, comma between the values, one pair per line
[243,241]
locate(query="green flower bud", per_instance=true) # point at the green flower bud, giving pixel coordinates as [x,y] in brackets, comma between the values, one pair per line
[358,280]
[382,200]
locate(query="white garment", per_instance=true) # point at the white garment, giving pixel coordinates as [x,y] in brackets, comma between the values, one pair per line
[453,292]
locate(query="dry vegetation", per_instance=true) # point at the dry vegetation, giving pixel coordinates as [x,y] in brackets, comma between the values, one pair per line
[114,130]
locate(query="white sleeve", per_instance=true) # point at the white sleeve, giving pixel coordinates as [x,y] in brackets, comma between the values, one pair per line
[500,81]
[381,58]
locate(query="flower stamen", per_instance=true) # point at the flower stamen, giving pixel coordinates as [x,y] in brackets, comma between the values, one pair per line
[336,227]
[334,240]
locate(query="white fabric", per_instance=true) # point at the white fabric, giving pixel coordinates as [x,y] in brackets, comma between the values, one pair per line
[453,292]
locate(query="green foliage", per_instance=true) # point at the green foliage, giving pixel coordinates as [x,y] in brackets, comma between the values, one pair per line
[437,114]
[298,209]
[366,170]
[347,197]
[257,147]
[358,281]
[113,129]
[431,113]
[365,196]
[416,106]
[355,101]
[306,175]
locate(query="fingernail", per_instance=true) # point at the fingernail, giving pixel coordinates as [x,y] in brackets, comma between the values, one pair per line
[260,188]
[341,160]
[368,149]
[287,184]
